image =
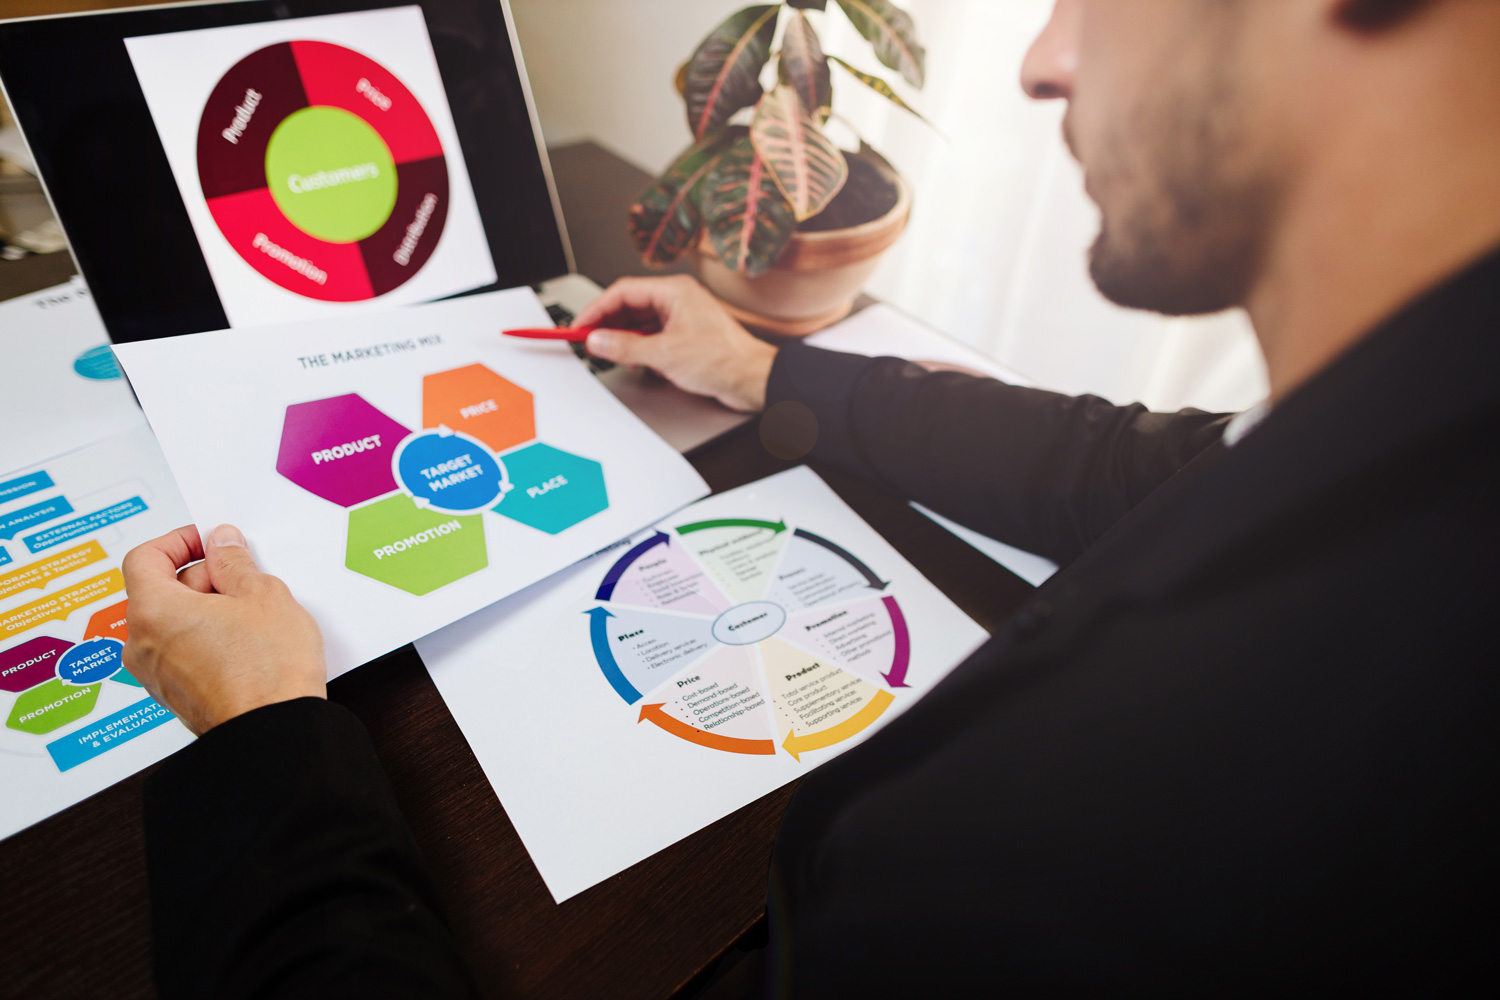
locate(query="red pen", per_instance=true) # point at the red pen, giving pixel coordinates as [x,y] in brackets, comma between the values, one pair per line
[570,334]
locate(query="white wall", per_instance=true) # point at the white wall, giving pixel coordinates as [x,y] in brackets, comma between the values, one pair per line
[602,69]
[995,251]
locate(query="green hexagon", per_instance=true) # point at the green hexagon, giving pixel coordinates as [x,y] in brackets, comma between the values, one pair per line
[48,706]
[415,550]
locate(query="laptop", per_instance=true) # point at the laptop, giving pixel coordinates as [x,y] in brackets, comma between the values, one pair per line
[239,163]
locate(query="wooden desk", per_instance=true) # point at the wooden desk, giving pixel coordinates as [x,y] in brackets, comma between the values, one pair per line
[75,918]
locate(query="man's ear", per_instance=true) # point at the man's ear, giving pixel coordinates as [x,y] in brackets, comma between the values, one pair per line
[1376,15]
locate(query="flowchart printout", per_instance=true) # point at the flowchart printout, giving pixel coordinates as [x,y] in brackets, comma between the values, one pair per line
[75,720]
[62,386]
[401,470]
[689,670]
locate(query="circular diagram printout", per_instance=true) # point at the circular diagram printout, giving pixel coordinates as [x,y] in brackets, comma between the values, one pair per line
[322,171]
[746,636]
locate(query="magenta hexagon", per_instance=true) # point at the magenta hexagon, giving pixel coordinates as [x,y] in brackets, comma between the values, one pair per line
[31,663]
[340,449]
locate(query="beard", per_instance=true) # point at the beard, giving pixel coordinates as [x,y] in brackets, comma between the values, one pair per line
[1185,217]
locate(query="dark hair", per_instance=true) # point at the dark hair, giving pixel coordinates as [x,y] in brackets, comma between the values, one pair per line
[1373,15]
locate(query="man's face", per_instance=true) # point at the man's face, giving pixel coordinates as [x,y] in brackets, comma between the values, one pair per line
[1164,101]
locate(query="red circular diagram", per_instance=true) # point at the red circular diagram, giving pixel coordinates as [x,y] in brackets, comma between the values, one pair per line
[322,171]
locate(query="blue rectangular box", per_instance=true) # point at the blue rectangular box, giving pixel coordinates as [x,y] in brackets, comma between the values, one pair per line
[83,745]
[69,530]
[15,488]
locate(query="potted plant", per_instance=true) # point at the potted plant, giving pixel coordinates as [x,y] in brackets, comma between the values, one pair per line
[784,227]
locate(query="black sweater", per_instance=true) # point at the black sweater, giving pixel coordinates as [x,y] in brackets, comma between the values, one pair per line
[1246,740]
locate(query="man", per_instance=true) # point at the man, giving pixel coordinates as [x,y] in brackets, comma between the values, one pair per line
[1244,741]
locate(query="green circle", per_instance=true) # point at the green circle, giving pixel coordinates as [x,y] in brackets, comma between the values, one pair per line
[331,174]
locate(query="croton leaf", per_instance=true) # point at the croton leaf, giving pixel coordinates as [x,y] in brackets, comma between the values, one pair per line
[880,87]
[680,80]
[809,4]
[805,164]
[804,67]
[749,220]
[891,31]
[665,220]
[724,73]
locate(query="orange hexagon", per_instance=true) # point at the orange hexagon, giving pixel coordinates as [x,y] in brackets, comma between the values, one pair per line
[108,624]
[476,401]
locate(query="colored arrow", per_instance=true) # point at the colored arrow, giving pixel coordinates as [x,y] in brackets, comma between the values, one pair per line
[599,633]
[797,745]
[875,582]
[607,588]
[713,741]
[732,522]
[897,676]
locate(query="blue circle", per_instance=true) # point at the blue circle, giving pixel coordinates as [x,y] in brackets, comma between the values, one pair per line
[450,472]
[97,363]
[88,662]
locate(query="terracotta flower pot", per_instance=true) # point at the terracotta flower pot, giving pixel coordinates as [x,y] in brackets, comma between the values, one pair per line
[815,280]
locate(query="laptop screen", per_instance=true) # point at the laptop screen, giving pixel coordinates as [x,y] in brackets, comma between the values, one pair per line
[244,163]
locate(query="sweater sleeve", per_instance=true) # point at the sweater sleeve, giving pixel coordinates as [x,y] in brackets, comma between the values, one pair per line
[1046,472]
[280,866]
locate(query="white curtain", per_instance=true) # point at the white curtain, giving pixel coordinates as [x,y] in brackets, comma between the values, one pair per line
[995,254]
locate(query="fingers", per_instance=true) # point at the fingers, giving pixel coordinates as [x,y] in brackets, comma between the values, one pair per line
[658,295]
[626,348]
[152,566]
[181,559]
[626,293]
[195,577]
[231,568]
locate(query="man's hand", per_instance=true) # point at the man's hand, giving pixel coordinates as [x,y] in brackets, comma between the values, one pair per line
[700,348]
[220,637]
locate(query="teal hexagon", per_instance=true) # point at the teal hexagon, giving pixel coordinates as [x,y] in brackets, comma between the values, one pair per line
[415,550]
[553,489]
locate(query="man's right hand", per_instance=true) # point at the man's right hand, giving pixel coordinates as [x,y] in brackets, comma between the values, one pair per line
[700,348]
